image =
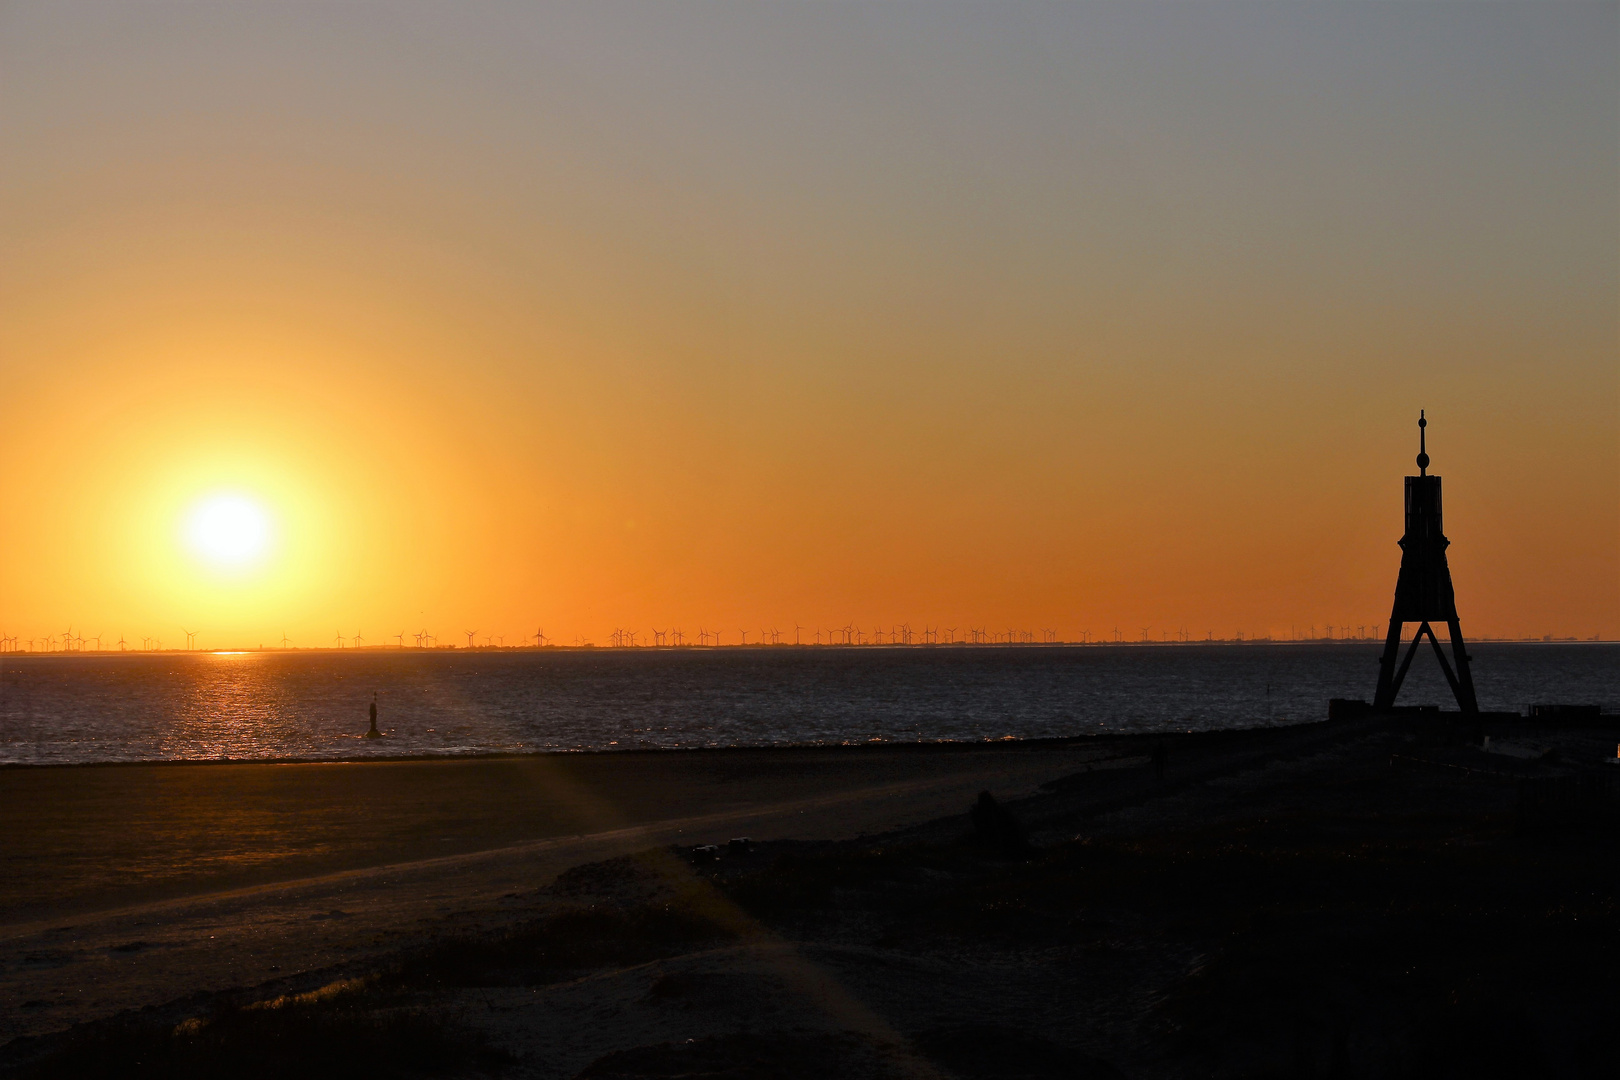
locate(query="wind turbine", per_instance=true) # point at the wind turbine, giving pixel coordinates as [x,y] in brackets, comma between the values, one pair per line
[471,634]
[340,639]
[401,638]
[191,637]
[285,640]
[357,639]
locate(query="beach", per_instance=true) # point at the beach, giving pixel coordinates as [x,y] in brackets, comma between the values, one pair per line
[1226,903]
[225,874]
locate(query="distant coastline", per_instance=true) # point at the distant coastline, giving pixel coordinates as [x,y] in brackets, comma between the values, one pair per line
[589,647]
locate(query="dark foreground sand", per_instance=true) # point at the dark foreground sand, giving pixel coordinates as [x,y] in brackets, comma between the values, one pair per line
[1367,898]
[122,886]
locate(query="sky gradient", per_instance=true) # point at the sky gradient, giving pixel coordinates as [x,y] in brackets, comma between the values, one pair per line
[1067,316]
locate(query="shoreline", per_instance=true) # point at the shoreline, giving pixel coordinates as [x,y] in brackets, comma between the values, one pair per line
[620,650]
[873,745]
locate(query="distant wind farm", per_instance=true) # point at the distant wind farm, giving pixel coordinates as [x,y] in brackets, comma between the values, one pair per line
[847,636]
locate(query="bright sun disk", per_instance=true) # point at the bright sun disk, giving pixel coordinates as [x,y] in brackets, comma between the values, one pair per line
[229,532]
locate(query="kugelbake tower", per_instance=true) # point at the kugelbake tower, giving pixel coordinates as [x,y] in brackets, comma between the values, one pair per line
[1423,592]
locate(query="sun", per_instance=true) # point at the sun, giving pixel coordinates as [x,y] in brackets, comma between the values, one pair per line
[228,532]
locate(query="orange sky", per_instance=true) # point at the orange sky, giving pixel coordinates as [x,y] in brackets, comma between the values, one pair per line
[1065,317]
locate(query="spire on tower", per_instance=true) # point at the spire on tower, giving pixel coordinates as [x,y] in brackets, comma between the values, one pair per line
[1423,445]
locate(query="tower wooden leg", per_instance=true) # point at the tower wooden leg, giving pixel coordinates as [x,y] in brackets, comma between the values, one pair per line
[1466,700]
[1385,695]
[1445,665]
[1406,661]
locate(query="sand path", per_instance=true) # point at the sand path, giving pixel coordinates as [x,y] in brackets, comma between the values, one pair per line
[57,969]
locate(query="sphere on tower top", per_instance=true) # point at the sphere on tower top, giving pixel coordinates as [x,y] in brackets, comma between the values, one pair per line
[1423,444]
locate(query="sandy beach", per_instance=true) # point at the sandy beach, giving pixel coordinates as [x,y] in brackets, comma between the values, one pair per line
[1356,898]
[131,885]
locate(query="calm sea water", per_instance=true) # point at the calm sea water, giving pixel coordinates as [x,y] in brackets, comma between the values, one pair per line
[313,705]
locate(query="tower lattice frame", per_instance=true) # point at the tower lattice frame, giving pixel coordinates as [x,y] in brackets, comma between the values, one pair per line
[1423,593]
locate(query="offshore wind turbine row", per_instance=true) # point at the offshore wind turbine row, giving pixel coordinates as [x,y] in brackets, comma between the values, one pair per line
[849,635]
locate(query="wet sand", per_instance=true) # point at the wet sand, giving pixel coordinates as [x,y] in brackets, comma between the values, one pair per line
[123,886]
[1371,897]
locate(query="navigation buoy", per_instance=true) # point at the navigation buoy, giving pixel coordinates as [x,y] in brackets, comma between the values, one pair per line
[374,733]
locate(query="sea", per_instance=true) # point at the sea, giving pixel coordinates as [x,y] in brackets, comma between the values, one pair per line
[295,705]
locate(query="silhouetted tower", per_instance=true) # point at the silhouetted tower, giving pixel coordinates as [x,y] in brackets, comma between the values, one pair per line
[1423,592]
